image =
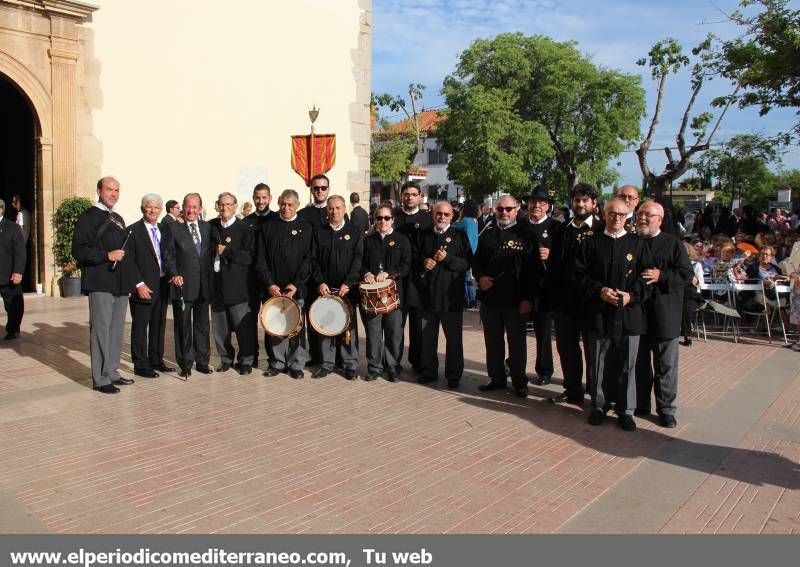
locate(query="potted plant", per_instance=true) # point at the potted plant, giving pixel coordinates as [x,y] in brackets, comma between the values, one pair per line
[64,221]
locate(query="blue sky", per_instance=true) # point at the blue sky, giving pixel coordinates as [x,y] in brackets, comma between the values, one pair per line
[420,40]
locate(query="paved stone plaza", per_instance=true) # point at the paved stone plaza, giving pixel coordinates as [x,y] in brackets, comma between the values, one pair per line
[231,454]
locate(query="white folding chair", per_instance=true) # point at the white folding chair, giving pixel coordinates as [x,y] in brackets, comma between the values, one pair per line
[756,288]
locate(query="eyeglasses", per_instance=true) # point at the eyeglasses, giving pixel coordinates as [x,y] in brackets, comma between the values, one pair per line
[320,188]
[387,219]
[504,209]
[615,215]
[629,197]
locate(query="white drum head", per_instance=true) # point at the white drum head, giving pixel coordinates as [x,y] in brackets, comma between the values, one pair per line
[280,317]
[377,285]
[329,316]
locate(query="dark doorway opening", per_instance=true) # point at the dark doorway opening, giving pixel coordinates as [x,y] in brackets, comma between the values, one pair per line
[18,130]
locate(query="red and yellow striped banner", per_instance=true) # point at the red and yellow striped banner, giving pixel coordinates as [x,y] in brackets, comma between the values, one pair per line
[312,155]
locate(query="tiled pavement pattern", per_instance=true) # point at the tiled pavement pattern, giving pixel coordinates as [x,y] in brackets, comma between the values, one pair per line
[224,453]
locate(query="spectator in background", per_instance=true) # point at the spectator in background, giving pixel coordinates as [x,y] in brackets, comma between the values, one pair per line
[358,216]
[469,224]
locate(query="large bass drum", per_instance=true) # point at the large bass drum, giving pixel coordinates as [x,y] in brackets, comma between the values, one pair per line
[281,317]
[329,315]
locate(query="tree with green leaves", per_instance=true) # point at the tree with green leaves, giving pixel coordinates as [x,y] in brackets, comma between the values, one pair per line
[740,167]
[522,109]
[667,58]
[766,58]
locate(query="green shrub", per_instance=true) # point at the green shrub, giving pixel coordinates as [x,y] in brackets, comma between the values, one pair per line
[63,228]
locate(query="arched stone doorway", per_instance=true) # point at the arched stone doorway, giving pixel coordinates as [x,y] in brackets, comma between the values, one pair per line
[20,169]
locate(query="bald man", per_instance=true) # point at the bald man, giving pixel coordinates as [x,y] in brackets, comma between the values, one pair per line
[629,194]
[668,276]
[439,266]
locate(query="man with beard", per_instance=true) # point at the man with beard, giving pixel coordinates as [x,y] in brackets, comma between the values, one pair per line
[668,276]
[543,228]
[262,196]
[187,262]
[336,264]
[508,277]
[410,221]
[149,302]
[439,267]
[566,298]
[283,263]
[233,250]
[608,271]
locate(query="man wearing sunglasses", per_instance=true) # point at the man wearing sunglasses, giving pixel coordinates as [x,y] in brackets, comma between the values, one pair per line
[630,196]
[508,270]
[608,272]
[410,221]
[316,214]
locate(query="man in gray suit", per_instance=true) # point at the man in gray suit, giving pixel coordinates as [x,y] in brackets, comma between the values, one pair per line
[188,261]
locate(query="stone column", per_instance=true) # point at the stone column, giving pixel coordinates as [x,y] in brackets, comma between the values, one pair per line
[65,107]
[360,109]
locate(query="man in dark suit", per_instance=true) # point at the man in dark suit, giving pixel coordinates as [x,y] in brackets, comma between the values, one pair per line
[543,228]
[23,219]
[99,245]
[440,266]
[609,273]
[173,212]
[359,218]
[233,244]
[12,266]
[187,260]
[668,276]
[486,217]
[149,301]
[262,196]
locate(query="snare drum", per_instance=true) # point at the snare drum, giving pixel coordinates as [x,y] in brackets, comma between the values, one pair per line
[281,317]
[329,315]
[379,298]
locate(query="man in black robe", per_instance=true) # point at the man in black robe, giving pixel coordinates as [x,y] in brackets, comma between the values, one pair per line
[508,280]
[335,268]
[566,298]
[543,228]
[283,263]
[608,271]
[410,221]
[233,244]
[668,276]
[439,268]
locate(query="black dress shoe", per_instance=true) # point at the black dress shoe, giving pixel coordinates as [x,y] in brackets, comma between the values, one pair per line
[204,369]
[521,392]
[491,386]
[106,389]
[565,398]
[370,377]
[626,422]
[164,368]
[350,374]
[597,417]
[453,384]
[245,369]
[394,375]
[224,367]
[426,379]
[123,381]
[667,421]
[321,373]
[641,412]
[296,374]
[542,380]
[185,373]
[146,373]
[11,336]
[270,372]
